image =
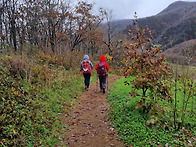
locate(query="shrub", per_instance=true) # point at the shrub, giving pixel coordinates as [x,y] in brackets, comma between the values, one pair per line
[145,62]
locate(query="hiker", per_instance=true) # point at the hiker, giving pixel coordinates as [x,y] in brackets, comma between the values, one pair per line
[102,70]
[86,67]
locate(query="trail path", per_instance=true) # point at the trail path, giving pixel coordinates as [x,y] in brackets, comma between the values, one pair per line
[90,125]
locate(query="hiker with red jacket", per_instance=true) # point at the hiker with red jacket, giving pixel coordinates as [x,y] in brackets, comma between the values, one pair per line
[102,70]
[86,67]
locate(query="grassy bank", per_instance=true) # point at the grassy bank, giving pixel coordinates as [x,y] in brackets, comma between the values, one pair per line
[145,129]
[35,94]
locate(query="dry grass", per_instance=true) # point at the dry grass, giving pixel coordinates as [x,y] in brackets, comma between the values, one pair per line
[184,70]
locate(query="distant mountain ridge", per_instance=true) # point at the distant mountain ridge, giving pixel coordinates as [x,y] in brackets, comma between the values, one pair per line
[177,5]
[122,24]
[173,25]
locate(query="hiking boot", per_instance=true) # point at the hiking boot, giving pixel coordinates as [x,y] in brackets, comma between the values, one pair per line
[86,88]
[103,90]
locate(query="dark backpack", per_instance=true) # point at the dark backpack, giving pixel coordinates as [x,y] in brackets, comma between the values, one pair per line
[101,70]
[86,67]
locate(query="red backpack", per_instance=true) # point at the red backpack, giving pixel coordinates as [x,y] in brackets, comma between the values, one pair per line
[101,70]
[86,67]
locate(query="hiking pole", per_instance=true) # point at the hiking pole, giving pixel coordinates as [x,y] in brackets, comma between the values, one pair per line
[96,83]
[107,81]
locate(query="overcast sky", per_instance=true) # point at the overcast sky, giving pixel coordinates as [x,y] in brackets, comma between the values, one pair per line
[124,9]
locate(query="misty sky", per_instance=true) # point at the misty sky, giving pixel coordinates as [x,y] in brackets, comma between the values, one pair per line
[124,9]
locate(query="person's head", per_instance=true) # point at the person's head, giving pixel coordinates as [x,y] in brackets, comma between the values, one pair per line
[86,58]
[102,58]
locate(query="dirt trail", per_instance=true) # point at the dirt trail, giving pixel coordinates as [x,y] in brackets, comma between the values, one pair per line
[90,125]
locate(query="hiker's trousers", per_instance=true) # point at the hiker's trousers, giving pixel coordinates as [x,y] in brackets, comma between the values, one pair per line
[102,81]
[87,79]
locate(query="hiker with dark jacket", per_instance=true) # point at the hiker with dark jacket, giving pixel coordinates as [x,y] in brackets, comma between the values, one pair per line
[102,70]
[86,67]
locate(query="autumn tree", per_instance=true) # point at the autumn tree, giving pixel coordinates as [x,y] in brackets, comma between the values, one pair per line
[84,24]
[110,32]
[111,42]
[8,16]
[50,24]
[95,34]
[144,61]
[55,16]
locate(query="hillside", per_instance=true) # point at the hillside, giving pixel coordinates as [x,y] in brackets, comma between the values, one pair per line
[122,24]
[173,25]
[183,52]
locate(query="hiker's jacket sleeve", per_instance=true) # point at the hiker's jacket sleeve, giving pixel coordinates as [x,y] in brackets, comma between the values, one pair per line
[91,64]
[81,66]
[107,66]
[96,66]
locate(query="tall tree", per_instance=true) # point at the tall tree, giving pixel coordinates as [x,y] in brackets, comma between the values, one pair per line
[83,22]
[109,32]
[2,7]
[12,6]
